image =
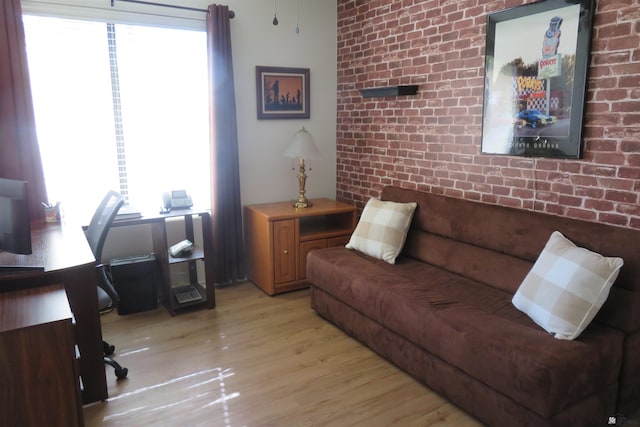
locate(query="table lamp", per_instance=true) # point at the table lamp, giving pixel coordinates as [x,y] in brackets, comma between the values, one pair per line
[302,147]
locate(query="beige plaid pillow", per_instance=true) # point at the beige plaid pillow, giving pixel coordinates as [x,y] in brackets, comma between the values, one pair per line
[382,229]
[566,287]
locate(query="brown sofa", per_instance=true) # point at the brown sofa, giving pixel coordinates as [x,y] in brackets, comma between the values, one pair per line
[443,313]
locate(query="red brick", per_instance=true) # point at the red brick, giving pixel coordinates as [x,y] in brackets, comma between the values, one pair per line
[510,201]
[602,145]
[629,173]
[522,194]
[570,201]
[610,158]
[589,192]
[631,146]
[555,209]
[621,196]
[599,205]
[581,214]
[546,196]
[628,209]
[431,141]
[629,81]
[626,107]
[614,219]
[598,170]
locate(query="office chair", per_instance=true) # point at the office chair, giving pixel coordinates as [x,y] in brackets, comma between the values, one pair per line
[108,298]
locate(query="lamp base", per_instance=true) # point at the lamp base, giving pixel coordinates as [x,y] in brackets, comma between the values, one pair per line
[302,202]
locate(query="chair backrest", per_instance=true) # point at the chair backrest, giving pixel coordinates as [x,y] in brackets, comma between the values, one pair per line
[101,221]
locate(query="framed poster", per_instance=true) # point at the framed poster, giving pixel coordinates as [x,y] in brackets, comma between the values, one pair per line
[282,93]
[536,63]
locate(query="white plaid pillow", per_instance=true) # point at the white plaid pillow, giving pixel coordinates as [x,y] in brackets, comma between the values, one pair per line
[566,287]
[382,229]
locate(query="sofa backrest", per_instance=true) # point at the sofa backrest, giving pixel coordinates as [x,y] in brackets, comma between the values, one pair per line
[497,245]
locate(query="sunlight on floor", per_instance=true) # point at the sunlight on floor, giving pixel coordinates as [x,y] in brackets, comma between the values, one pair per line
[207,398]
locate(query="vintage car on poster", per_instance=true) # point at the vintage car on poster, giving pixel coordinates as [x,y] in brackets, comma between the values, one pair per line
[535,118]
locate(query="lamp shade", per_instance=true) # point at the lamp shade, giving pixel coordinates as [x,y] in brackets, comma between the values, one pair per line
[302,146]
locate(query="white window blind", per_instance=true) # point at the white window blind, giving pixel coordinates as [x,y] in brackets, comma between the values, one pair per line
[123,12]
[135,121]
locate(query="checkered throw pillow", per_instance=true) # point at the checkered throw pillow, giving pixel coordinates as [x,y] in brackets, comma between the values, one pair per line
[566,287]
[382,229]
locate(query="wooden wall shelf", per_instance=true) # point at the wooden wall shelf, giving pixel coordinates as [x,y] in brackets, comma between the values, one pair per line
[400,90]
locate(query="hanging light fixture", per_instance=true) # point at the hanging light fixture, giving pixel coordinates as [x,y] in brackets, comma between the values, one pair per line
[297,15]
[275,12]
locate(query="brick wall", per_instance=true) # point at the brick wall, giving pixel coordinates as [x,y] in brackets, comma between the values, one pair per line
[432,141]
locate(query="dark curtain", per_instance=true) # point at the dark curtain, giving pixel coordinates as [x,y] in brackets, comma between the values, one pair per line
[19,152]
[226,205]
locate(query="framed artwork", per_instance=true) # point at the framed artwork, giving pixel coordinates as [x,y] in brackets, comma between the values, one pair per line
[536,63]
[282,93]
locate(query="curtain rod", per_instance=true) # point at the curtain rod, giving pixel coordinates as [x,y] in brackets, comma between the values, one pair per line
[232,14]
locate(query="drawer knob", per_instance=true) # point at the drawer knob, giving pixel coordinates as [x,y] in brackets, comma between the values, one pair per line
[286,251]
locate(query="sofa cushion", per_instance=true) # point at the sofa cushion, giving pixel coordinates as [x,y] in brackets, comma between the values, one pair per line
[473,327]
[566,287]
[382,229]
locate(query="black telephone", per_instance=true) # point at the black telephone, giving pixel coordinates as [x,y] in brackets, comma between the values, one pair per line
[176,199]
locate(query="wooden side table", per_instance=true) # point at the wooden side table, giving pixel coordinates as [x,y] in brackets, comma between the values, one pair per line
[279,236]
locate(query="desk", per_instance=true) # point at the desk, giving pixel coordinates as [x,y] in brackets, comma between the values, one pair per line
[161,249]
[64,252]
[40,383]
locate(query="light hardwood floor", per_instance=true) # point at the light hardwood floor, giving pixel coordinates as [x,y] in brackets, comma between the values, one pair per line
[256,360]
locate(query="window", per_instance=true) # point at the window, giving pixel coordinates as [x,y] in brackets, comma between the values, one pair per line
[121,107]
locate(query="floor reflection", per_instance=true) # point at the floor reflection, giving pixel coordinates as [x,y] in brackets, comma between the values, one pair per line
[255,360]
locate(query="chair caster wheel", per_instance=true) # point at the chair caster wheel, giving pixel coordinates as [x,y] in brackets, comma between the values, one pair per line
[121,373]
[109,349]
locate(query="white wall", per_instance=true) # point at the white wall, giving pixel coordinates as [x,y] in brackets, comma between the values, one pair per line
[266,175]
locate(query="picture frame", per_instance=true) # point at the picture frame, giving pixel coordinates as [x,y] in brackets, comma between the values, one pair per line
[536,63]
[282,93]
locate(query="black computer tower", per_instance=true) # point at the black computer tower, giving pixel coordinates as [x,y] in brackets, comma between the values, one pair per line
[136,281]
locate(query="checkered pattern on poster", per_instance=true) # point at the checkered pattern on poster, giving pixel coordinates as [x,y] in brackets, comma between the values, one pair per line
[535,102]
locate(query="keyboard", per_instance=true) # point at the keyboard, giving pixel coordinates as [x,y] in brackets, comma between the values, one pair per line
[187,293]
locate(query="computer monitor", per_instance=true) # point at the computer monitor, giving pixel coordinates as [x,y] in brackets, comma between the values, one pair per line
[15,223]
